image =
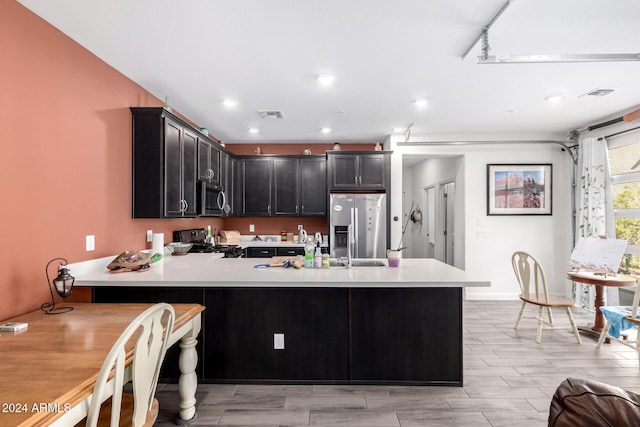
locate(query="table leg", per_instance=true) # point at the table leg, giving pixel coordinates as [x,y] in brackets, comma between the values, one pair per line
[188,382]
[598,325]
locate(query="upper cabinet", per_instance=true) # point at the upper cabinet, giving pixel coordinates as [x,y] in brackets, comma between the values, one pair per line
[164,165]
[313,186]
[209,162]
[284,186]
[256,177]
[358,170]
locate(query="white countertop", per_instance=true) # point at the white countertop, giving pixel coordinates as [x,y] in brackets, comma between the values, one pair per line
[209,270]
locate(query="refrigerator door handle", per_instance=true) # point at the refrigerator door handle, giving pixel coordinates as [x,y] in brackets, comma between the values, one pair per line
[355,233]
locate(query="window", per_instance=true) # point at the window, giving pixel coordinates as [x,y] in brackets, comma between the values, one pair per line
[624,166]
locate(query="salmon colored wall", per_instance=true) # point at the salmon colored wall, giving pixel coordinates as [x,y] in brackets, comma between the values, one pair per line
[65,168]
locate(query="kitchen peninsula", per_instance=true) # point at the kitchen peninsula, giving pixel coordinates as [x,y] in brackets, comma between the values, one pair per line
[364,325]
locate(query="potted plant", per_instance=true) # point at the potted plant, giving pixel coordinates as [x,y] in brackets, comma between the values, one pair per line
[394,255]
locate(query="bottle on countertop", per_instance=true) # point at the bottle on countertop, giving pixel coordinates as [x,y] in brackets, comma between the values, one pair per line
[325,260]
[318,257]
[308,255]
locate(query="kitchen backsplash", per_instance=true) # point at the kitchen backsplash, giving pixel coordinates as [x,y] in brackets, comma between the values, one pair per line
[273,226]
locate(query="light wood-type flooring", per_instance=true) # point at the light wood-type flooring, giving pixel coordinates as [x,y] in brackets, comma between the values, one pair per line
[508,381]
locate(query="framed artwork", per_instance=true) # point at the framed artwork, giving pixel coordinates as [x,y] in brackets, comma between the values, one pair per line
[519,189]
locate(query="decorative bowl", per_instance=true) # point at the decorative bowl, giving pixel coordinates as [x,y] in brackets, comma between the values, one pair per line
[179,248]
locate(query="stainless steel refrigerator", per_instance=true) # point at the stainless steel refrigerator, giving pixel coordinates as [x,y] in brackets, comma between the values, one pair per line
[368,215]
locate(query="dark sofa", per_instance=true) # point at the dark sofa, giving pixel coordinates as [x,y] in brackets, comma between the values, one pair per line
[587,403]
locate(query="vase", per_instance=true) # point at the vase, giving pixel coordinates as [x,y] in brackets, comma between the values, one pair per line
[393,258]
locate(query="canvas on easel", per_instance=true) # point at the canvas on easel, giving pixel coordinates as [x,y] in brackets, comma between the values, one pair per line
[597,254]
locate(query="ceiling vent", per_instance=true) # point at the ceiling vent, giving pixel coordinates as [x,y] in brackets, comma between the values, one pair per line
[271,114]
[598,92]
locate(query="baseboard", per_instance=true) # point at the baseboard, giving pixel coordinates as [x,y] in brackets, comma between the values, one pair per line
[487,296]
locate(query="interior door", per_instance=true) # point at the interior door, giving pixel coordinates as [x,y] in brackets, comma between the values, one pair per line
[430,221]
[448,203]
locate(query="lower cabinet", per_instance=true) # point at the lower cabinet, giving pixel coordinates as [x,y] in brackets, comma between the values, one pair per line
[331,335]
[407,335]
[240,345]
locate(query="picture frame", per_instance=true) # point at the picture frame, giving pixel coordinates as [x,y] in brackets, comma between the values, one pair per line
[519,189]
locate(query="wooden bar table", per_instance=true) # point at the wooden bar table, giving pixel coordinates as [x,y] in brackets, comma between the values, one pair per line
[599,280]
[48,371]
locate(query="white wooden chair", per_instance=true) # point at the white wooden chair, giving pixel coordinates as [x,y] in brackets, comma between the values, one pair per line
[533,290]
[626,318]
[150,330]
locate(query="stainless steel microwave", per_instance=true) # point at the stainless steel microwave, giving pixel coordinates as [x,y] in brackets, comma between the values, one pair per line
[212,200]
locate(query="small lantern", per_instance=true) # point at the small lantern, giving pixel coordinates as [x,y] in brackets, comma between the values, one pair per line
[63,285]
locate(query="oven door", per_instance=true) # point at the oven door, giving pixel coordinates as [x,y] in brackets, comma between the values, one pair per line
[211,200]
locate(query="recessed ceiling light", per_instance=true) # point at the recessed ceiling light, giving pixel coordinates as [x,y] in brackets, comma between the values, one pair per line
[228,102]
[254,130]
[326,79]
[325,130]
[556,97]
[421,102]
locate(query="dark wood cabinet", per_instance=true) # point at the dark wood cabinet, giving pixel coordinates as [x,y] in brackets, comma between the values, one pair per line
[313,186]
[164,165]
[209,169]
[286,196]
[297,186]
[293,251]
[271,251]
[358,171]
[260,252]
[240,347]
[331,335]
[411,334]
[256,186]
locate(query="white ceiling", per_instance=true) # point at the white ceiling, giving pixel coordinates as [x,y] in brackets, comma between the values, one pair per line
[384,54]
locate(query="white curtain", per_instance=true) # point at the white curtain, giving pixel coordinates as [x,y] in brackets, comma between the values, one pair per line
[594,206]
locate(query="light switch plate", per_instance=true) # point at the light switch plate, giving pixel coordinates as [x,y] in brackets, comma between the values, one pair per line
[91,243]
[252,228]
[149,236]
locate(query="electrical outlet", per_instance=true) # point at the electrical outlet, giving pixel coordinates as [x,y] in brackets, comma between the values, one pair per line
[91,243]
[299,227]
[252,228]
[149,236]
[278,341]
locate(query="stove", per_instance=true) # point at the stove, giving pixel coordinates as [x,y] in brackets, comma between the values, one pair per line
[198,237]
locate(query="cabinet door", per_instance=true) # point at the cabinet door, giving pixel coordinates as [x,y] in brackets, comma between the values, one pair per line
[256,189]
[286,179]
[371,171]
[229,182]
[344,171]
[173,204]
[208,162]
[290,251]
[204,160]
[313,187]
[406,334]
[261,252]
[189,153]
[216,174]
[241,324]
